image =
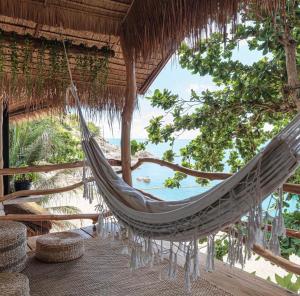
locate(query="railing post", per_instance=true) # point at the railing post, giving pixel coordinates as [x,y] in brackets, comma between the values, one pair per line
[1,154]
[5,143]
[127,114]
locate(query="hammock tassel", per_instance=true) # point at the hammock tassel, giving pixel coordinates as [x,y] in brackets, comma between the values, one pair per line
[161,251]
[133,259]
[278,227]
[210,264]
[187,268]
[170,268]
[281,230]
[196,265]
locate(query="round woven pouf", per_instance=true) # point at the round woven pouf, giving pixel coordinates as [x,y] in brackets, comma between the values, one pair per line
[59,247]
[14,284]
[13,240]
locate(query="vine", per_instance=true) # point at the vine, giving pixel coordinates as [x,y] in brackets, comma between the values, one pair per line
[2,58]
[27,60]
[14,64]
[33,65]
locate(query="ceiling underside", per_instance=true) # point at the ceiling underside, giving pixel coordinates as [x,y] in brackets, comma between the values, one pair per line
[150,29]
[102,29]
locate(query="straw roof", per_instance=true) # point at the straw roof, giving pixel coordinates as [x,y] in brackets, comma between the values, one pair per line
[152,28]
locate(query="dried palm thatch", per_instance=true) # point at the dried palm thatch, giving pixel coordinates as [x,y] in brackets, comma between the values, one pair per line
[153,29]
[160,26]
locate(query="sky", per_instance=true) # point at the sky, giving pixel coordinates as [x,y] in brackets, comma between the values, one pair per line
[179,81]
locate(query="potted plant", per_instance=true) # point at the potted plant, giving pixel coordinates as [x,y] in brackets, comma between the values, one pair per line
[23,181]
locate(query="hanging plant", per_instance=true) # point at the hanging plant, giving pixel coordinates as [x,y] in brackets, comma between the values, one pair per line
[26,64]
[40,77]
[14,64]
[2,58]
[54,63]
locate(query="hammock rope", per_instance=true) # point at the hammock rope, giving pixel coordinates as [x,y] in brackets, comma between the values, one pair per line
[145,222]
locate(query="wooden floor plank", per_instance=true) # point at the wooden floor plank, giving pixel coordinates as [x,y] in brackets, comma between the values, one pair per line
[31,242]
[82,233]
[90,230]
[233,280]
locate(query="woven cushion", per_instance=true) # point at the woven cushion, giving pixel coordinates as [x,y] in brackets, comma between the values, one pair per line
[13,240]
[14,284]
[59,247]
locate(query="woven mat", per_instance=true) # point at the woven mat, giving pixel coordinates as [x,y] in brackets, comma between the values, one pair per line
[104,271]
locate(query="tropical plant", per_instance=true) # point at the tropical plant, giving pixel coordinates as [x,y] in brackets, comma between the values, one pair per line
[249,105]
[288,282]
[45,141]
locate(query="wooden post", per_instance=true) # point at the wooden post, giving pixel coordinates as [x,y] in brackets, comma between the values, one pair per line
[5,143]
[290,48]
[130,100]
[1,154]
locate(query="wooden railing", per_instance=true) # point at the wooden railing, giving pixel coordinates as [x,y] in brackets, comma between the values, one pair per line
[287,187]
[291,188]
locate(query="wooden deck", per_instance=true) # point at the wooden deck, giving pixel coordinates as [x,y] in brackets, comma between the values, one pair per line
[233,280]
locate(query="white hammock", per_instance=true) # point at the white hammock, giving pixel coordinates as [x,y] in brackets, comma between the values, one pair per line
[201,215]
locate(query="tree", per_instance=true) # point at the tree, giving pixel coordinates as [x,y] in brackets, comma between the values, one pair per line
[252,102]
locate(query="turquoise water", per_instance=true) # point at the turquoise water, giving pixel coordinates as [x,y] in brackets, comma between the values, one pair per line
[159,174]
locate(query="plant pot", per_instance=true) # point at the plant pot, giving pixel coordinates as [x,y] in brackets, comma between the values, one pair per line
[22,185]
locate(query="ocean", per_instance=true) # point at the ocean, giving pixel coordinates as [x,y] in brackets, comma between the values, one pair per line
[159,174]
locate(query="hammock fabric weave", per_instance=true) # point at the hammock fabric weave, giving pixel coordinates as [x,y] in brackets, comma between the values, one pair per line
[183,222]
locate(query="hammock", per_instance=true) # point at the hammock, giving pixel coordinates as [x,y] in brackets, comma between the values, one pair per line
[199,216]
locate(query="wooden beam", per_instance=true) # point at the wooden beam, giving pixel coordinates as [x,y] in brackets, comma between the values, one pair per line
[287,187]
[50,167]
[32,217]
[278,260]
[41,191]
[1,154]
[176,167]
[5,153]
[130,101]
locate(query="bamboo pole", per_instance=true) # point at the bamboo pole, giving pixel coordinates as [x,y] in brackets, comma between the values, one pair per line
[130,100]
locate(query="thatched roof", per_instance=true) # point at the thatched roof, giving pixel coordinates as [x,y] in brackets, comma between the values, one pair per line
[152,28]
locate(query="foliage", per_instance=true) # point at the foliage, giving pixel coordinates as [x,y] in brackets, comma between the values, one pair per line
[289,245]
[50,64]
[249,106]
[47,140]
[221,248]
[288,282]
[137,146]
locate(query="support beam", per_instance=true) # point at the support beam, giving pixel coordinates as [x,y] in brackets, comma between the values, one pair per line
[5,153]
[130,101]
[1,154]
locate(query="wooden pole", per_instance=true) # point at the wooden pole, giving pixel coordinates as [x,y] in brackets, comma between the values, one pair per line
[130,100]
[1,154]
[5,153]
[50,217]
[279,261]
